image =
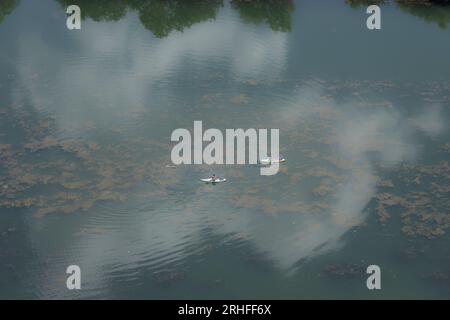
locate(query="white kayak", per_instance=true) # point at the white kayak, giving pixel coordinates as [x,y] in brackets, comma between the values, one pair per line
[217,180]
[267,161]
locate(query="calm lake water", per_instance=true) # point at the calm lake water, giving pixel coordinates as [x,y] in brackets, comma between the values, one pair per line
[85,124]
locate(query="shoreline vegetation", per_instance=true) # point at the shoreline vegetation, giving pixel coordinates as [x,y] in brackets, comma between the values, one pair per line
[161,17]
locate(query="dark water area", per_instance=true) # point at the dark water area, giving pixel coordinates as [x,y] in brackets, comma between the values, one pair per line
[85,171]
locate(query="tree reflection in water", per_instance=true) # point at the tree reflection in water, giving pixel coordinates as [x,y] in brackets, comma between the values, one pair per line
[6,7]
[437,11]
